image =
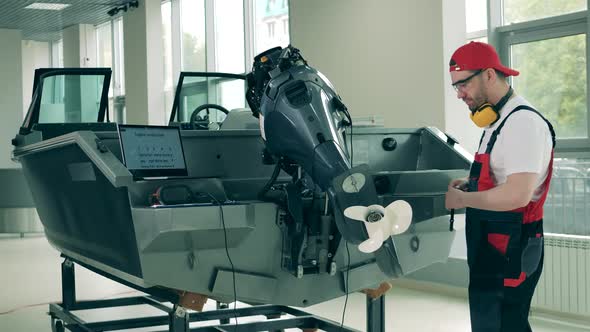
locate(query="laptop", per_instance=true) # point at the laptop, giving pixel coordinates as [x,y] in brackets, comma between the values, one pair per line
[152,151]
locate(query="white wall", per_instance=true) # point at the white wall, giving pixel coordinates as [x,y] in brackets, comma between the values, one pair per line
[35,55]
[457,119]
[11,90]
[388,58]
[383,56]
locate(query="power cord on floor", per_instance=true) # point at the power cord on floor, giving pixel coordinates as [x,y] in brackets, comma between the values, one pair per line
[233,270]
[345,286]
[26,306]
[13,310]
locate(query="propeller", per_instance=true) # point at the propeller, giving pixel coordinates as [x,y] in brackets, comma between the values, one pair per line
[381,222]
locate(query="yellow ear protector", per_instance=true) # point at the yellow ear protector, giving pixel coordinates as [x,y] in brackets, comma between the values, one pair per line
[487,114]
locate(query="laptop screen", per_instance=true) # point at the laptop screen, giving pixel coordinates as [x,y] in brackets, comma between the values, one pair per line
[152,151]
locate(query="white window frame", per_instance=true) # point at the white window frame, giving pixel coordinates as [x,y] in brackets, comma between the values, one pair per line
[249,33]
[55,53]
[117,68]
[503,37]
[211,58]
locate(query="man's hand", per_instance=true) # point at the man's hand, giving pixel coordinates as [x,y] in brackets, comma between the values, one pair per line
[454,198]
[516,192]
[459,183]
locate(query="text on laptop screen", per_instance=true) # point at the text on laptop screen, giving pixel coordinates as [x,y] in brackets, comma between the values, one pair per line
[152,151]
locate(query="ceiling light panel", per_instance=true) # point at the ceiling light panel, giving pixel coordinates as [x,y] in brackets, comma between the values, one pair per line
[47,6]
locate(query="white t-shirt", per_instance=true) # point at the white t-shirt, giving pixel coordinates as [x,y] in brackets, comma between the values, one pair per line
[523,146]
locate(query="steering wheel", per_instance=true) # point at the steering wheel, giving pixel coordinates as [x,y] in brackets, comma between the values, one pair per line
[203,122]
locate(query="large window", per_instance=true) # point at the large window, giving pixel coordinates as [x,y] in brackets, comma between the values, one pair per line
[212,35]
[104,48]
[169,72]
[553,77]
[119,56]
[269,15]
[476,18]
[547,41]
[219,36]
[551,55]
[527,10]
[109,54]
[193,35]
[229,36]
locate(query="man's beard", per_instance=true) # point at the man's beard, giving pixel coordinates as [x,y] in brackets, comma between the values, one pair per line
[479,99]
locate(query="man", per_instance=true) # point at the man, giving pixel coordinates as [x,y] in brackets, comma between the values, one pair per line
[505,191]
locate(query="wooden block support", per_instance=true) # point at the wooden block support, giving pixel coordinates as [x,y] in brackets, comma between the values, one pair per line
[375,293]
[192,301]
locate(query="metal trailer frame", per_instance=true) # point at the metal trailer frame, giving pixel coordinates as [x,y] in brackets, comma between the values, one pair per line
[63,316]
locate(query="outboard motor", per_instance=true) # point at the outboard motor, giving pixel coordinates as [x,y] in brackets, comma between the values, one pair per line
[303,120]
[301,115]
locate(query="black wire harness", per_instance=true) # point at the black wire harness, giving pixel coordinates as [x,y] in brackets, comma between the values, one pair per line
[233,269]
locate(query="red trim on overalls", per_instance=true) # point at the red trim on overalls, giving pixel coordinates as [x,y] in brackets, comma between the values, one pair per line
[532,212]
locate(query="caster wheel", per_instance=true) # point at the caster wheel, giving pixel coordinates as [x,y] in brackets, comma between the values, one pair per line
[57,325]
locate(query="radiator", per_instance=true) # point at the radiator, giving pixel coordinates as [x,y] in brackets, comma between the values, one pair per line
[564,285]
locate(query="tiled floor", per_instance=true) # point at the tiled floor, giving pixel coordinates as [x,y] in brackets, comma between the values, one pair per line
[30,279]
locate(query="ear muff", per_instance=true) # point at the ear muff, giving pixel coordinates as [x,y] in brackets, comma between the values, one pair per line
[484,115]
[487,114]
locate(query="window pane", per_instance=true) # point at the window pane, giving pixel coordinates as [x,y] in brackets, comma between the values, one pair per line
[271,18]
[117,102]
[231,94]
[553,78]
[104,49]
[119,71]
[566,207]
[167,52]
[525,10]
[196,91]
[229,36]
[70,98]
[193,40]
[193,94]
[167,43]
[476,17]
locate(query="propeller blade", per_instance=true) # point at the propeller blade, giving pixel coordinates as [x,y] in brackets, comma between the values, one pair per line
[373,243]
[400,214]
[356,212]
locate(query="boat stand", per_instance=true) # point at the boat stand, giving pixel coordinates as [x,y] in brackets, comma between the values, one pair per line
[177,318]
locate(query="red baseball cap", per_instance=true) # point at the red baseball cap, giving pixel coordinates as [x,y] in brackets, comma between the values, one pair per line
[475,56]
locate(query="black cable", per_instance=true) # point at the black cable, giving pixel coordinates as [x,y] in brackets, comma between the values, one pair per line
[233,270]
[345,286]
[351,147]
[271,181]
[346,242]
[282,239]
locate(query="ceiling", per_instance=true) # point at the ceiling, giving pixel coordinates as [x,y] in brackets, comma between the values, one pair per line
[46,25]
